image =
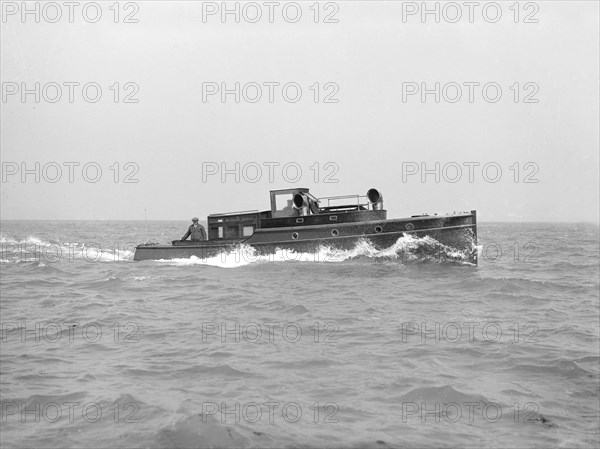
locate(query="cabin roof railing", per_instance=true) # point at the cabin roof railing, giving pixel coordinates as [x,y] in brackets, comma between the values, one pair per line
[345,197]
[241,212]
[293,189]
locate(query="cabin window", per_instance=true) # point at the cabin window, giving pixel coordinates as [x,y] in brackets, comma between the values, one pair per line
[232,232]
[284,206]
[247,231]
[333,218]
[281,201]
[220,232]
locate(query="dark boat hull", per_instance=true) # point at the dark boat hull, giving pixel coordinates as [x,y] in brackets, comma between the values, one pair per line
[456,232]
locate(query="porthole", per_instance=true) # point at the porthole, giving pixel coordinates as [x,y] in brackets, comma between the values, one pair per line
[299,220]
[294,235]
[333,218]
[378,229]
[410,226]
[334,232]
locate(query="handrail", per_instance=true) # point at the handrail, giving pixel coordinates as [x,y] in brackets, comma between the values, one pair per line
[255,211]
[356,197]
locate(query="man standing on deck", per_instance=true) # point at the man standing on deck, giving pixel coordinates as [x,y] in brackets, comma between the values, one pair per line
[196,230]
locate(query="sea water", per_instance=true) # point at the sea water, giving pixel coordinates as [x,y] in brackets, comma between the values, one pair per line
[363,348]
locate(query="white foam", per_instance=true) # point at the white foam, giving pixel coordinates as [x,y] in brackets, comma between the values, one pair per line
[406,249]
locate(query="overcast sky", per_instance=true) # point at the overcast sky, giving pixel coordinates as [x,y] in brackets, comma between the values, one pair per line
[365,124]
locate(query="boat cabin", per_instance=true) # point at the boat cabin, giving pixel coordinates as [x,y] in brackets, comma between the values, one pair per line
[297,207]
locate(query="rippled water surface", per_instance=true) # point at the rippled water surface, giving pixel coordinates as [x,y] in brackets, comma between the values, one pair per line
[364,349]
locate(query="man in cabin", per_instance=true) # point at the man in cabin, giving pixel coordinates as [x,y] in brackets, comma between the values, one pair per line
[196,230]
[289,209]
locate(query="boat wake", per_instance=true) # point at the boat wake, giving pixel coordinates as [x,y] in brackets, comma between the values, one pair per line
[407,250]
